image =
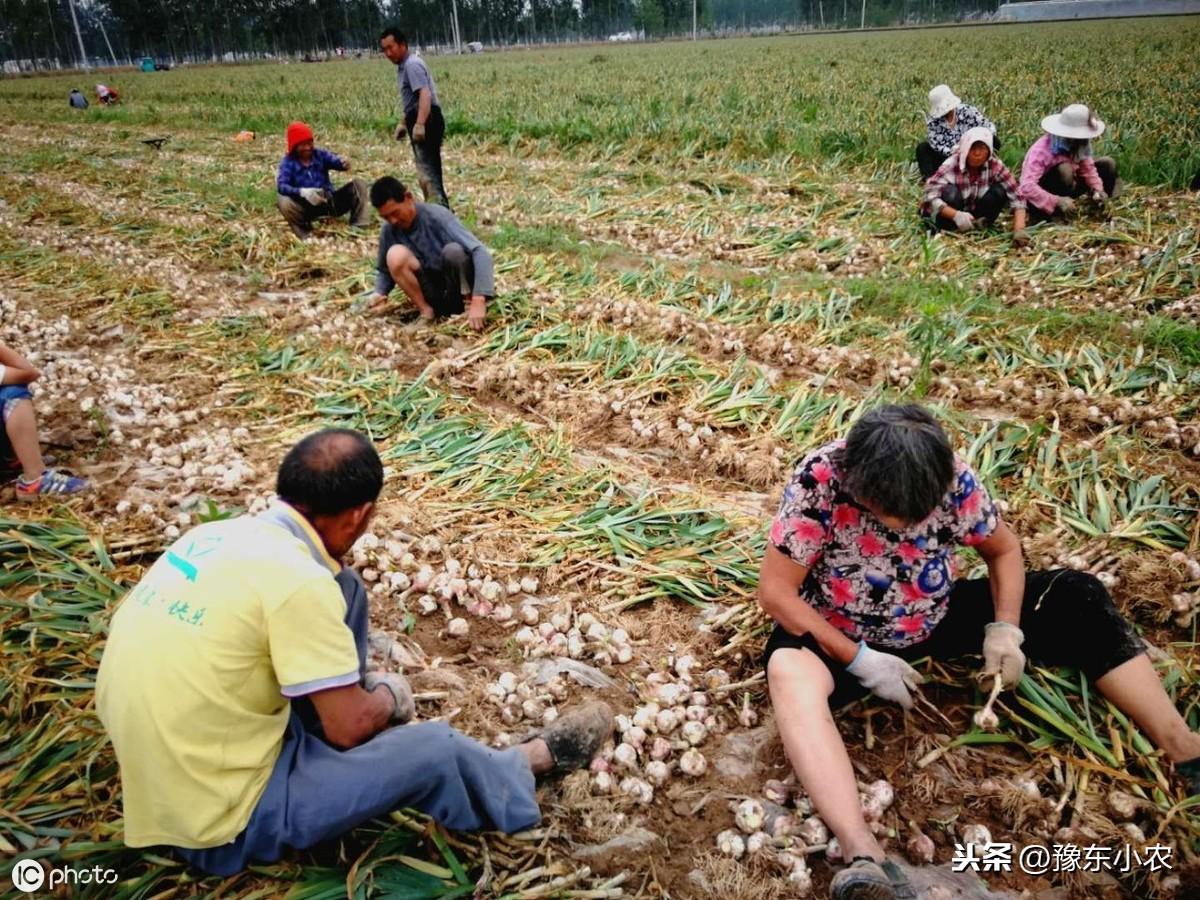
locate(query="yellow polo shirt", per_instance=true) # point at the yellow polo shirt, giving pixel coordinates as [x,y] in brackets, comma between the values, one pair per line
[202,656]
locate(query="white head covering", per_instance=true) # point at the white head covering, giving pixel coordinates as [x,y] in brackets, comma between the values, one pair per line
[1076,121]
[977,135]
[941,101]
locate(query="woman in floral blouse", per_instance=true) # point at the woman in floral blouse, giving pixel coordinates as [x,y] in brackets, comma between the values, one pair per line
[859,576]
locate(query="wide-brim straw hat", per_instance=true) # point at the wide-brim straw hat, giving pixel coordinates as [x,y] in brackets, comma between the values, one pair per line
[941,101]
[1076,121]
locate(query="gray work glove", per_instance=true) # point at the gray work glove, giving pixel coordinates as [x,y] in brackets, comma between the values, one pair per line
[401,132]
[1066,205]
[885,675]
[397,685]
[1002,653]
[315,196]
[418,133]
[964,221]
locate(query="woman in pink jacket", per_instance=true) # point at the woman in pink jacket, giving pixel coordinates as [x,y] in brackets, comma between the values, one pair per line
[1059,166]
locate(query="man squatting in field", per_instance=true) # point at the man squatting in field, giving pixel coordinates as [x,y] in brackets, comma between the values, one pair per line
[235,691]
[431,255]
[305,191]
[423,121]
[859,578]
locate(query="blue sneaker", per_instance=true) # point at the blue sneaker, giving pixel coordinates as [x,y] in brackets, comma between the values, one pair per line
[49,483]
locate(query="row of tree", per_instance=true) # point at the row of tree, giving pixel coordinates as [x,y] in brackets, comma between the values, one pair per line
[44,30]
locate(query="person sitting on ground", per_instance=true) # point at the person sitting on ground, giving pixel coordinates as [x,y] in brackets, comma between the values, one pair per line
[234,688]
[305,191]
[859,576]
[1059,167]
[971,188]
[19,447]
[76,99]
[107,95]
[948,120]
[430,254]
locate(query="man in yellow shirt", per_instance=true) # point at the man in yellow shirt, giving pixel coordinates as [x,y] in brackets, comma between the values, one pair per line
[235,691]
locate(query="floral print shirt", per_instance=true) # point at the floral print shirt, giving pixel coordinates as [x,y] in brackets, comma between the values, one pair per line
[887,587]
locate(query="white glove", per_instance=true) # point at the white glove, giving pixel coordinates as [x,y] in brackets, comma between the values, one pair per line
[1099,196]
[315,196]
[1066,205]
[964,221]
[885,675]
[1002,653]
[398,687]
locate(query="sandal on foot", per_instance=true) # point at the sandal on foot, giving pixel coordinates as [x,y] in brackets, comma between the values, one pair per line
[901,886]
[863,879]
[576,736]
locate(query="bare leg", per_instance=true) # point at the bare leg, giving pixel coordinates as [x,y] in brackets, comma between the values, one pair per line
[21,426]
[1134,687]
[800,687]
[404,266]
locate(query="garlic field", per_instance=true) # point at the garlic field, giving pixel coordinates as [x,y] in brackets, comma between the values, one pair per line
[708,261]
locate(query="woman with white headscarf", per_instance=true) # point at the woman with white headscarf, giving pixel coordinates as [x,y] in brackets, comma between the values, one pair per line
[971,188]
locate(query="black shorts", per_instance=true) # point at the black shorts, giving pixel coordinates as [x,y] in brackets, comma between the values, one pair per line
[1058,604]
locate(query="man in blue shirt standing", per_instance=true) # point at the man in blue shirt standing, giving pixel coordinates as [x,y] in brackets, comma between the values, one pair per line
[423,122]
[305,191]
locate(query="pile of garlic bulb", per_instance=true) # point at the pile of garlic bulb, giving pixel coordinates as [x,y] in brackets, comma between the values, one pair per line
[521,699]
[663,736]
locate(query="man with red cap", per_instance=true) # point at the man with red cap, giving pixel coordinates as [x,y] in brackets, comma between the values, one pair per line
[305,191]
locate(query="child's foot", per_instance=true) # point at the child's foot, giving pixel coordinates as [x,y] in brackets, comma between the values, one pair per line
[49,483]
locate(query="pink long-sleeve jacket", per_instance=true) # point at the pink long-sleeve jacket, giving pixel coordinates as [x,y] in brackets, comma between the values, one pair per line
[1041,159]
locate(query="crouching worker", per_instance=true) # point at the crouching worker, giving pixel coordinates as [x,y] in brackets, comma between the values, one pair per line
[971,188]
[441,267]
[305,191]
[19,447]
[859,578]
[946,122]
[233,689]
[1059,168]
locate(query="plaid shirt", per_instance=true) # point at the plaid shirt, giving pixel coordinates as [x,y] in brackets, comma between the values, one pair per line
[972,185]
[944,137]
[294,175]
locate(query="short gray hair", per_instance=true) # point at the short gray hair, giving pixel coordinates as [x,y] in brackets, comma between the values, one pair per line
[899,460]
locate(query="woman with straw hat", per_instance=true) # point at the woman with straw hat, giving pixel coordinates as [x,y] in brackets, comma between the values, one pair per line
[1059,166]
[947,121]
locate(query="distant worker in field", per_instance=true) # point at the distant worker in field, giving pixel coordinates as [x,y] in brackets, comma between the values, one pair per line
[1059,167]
[305,191]
[107,95]
[234,687]
[20,450]
[76,99]
[441,267]
[860,578]
[947,121]
[971,188]
[423,122]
